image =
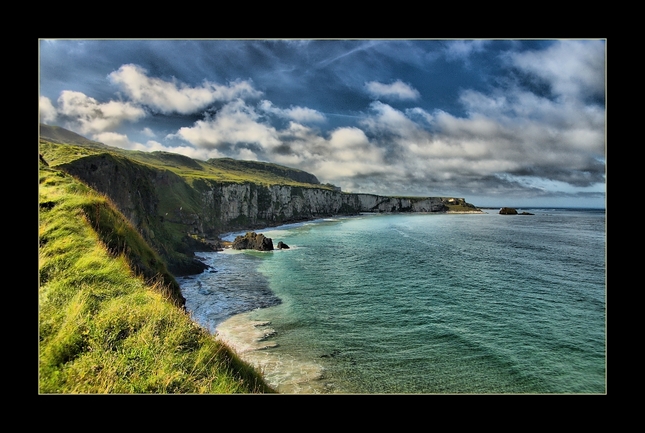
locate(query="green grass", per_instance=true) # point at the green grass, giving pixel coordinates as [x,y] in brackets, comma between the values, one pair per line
[185,181]
[109,315]
[224,170]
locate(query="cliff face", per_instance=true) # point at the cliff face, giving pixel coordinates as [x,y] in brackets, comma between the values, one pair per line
[376,203]
[175,214]
[239,206]
[131,186]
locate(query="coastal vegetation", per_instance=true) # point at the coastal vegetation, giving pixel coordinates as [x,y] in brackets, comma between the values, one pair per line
[111,317]
[59,146]
[115,228]
[162,193]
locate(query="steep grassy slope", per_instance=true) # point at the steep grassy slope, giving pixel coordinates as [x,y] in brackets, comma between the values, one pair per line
[155,190]
[109,320]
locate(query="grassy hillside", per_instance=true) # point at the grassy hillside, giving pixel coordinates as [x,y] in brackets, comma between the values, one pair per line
[57,134]
[163,215]
[59,146]
[109,320]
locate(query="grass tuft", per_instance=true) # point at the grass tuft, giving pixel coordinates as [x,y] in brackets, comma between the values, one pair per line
[109,320]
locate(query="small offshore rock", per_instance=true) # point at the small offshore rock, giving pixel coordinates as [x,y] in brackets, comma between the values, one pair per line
[253,241]
[282,246]
[508,211]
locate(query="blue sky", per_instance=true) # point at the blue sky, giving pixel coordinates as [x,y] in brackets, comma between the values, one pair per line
[498,122]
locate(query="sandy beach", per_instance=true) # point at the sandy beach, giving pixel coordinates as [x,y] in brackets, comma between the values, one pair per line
[252,341]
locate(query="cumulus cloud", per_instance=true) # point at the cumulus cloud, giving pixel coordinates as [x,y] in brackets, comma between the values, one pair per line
[121,141]
[419,113]
[46,110]
[87,115]
[174,96]
[510,143]
[299,114]
[148,132]
[234,123]
[561,123]
[345,153]
[396,90]
[498,148]
[385,119]
[573,68]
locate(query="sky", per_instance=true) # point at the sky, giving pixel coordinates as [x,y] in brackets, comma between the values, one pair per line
[504,122]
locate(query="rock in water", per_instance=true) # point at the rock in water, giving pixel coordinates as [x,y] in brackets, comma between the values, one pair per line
[508,211]
[282,246]
[253,241]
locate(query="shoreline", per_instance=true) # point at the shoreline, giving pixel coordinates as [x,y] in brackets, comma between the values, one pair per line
[251,340]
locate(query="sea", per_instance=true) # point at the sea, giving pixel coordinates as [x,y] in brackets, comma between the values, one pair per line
[417,303]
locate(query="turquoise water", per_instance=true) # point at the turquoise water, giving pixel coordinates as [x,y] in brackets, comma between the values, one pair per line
[422,303]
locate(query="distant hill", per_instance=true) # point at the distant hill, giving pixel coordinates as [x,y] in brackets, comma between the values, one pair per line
[62,135]
[230,164]
[221,168]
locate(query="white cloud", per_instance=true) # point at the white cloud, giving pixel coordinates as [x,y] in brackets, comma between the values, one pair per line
[299,114]
[419,113]
[346,154]
[386,120]
[46,110]
[148,132]
[396,90]
[87,115]
[173,96]
[122,141]
[351,144]
[119,140]
[247,155]
[236,122]
[540,121]
[461,50]
[574,68]
[490,142]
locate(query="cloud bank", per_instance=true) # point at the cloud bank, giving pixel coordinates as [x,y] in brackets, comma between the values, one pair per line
[174,96]
[537,131]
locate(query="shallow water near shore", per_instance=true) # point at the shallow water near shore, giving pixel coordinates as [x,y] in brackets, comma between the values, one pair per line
[417,303]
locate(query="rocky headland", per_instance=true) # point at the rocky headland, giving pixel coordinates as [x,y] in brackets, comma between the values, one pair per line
[180,208]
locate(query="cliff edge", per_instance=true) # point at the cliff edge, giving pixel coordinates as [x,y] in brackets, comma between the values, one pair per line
[181,205]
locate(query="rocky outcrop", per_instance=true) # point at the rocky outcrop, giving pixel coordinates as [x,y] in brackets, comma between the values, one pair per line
[282,246]
[512,211]
[508,211]
[253,241]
